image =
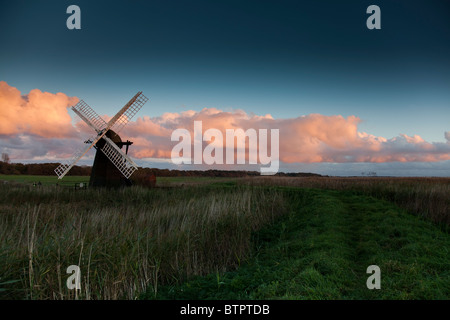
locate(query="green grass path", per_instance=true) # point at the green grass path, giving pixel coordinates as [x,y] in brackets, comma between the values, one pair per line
[322,248]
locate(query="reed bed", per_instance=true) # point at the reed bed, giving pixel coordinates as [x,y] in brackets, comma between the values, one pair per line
[124,241]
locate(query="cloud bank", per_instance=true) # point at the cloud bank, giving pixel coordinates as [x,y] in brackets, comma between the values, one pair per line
[305,139]
[38,113]
[39,126]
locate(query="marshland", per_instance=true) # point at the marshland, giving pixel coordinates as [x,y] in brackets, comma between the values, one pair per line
[233,238]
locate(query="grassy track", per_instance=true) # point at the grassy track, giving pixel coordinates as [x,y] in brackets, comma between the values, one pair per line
[321,250]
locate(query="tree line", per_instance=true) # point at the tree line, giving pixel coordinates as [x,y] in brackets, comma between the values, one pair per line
[40,169]
[48,169]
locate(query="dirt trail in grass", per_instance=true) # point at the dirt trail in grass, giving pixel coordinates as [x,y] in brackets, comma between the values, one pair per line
[322,248]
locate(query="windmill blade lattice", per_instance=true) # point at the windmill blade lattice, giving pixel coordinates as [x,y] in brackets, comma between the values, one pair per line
[122,162]
[85,112]
[65,167]
[127,112]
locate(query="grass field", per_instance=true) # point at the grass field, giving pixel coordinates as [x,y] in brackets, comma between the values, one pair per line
[44,180]
[321,250]
[70,181]
[425,197]
[224,239]
[188,181]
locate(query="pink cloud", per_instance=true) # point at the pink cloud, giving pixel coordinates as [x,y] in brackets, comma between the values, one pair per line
[39,124]
[38,113]
[310,138]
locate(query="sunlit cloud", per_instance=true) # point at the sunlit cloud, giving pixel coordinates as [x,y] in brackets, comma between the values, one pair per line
[38,125]
[305,139]
[37,113]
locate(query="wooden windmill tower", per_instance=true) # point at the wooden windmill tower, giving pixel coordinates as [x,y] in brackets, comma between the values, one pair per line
[112,167]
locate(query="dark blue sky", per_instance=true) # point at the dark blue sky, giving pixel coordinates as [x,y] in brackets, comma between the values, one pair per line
[286,58]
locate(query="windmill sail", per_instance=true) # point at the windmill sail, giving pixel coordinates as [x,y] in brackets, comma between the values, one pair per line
[65,167]
[127,112]
[122,162]
[85,112]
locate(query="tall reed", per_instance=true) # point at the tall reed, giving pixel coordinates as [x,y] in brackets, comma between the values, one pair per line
[124,241]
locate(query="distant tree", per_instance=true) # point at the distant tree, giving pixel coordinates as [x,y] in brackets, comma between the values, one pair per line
[5,157]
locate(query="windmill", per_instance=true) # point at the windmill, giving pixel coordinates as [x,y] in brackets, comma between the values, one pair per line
[112,167]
